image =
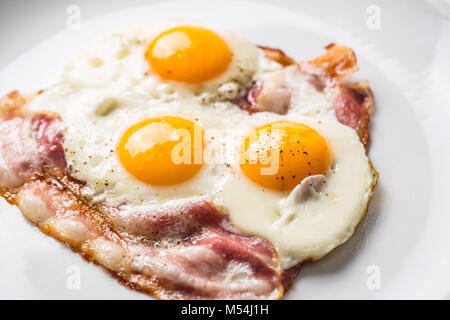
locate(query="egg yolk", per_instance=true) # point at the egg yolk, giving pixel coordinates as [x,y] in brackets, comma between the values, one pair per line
[188,54]
[280,155]
[163,150]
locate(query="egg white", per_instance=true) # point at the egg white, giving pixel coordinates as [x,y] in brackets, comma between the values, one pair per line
[118,61]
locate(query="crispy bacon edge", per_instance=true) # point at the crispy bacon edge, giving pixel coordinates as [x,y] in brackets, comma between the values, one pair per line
[277,55]
[45,193]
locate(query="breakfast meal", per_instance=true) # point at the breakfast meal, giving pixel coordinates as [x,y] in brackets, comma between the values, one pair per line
[190,163]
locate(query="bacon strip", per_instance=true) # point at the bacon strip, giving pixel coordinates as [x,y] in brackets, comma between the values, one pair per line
[29,143]
[248,101]
[277,55]
[200,266]
[186,252]
[352,102]
[353,105]
[157,223]
[339,62]
[290,274]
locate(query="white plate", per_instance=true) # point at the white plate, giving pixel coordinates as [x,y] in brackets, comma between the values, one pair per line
[401,250]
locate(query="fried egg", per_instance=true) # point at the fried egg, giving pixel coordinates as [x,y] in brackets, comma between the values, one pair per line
[150,120]
[169,61]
